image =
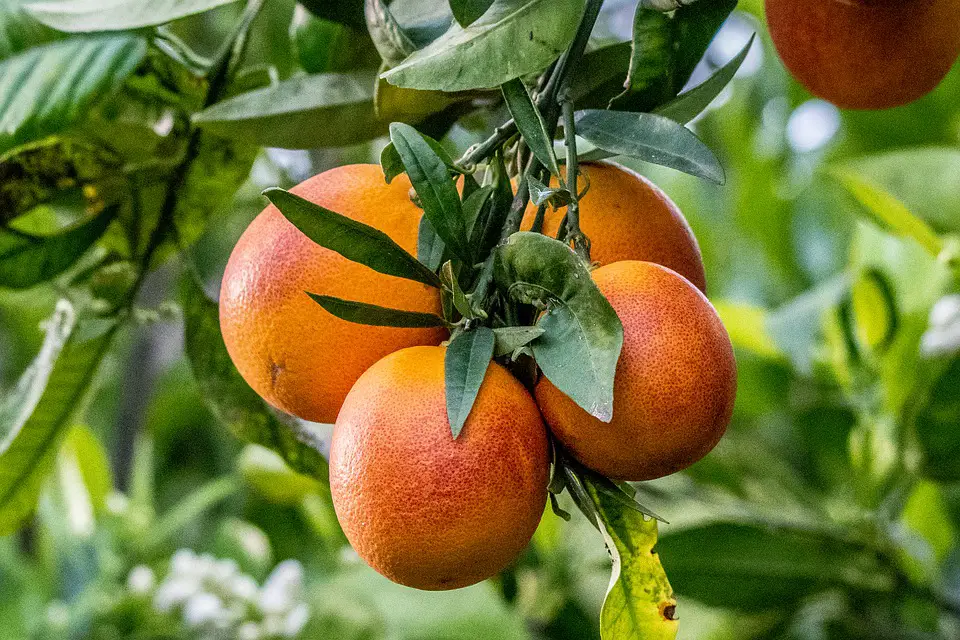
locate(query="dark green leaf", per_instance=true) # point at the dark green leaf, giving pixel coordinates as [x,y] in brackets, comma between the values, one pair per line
[430,247]
[582,337]
[371,314]
[651,138]
[19,31]
[689,104]
[937,426]
[485,233]
[304,112]
[752,568]
[44,407]
[388,36]
[696,25]
[27,260]
[509,339]
[348,12]
[39,102]
[96,15]
[431,179]
[35,173]
[510,40]
[351,239]
[530,123]
[467,12]
[600,75]
[392,163]
[465,366]
[652,53]
[639,602]
[231,400]
[473,206]
[460,301]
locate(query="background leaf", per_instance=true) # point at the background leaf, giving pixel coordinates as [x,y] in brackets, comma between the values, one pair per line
[388,36]
[513,38]
[579,325]
[115,15]
[40,103]
[289,114]
[652,138]
[639,602]
[351,239]
[363,313]
[465,364]
[231,400]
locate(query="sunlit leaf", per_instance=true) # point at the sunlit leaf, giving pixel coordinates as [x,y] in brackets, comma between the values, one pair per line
[874,310]
[513,38]
[304,112]
[351,239]
[579,326]
[652,138]
[465,365]
[747,326]
[116,15]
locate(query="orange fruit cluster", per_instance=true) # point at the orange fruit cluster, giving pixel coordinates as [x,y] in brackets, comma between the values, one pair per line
[425,509]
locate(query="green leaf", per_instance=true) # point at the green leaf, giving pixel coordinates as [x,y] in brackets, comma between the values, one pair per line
[189,510]
[509,339]
[530,123]
[617,494]
[747,326]
[231,400]
[465,365]
[473,209]
[93,463]
[696,25]
[289,114]
[796,326]
[937,426]
[652,138]
[487,226]
[413,106]
[371,314]
[599,75]
[19,31]
[438,195]
[689,104]
[42,409]
[874,309]
[388,36]
[885,210]
[651,56]
[37,172]
[460,301]
[540,193]
[430,247]
[351,239]
[392,163]
[925,179]
[348,12]
[582,337]
[50,87]
[79,16]
[639,602]
[466,12]
[512,39]
[27,260]
[752,568]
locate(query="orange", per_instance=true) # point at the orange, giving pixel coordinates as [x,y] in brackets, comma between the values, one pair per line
[423,509]
[296,355]
[627,217]
[866,54]
[674,386]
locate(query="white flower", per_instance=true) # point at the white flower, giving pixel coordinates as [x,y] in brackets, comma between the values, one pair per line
[174,592]
[943,336]
[201,609]
[141,580]
[58,614]
[224,570]
[249,631]
[295,621]
[282,588]
[183,562]
[117,503]
[243,587]
[254,541]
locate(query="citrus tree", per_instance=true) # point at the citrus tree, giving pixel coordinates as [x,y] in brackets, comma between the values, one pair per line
[496,316]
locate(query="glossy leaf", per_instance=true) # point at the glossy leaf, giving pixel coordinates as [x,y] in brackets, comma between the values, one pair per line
[651,56]
[473,208]
[304,112]
[530,123]
[639,602]
[579,326]
[430,247]
[599,75]
[371,314]
[392,163]
[696,25]
[388,36]
[689,104]
[512,39]
[438,195]
[351,239]
[888,212]
[652,138]
[465,366]
[231,400]
[509,339]
[47,399]
[27,260]
[467,12]
[38,103]
[460,300]
[79,16]
[348,12]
